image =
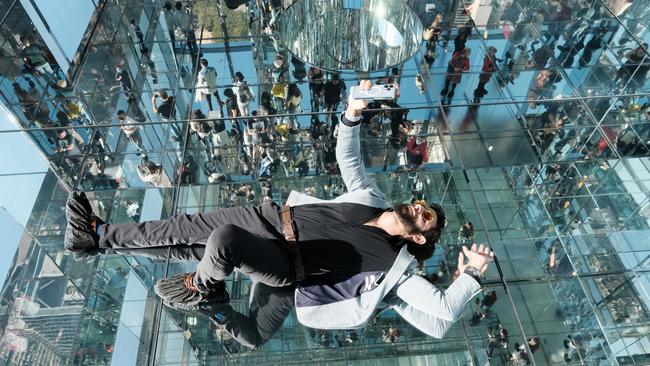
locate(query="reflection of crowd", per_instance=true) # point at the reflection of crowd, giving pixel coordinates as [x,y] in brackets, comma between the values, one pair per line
[254,137]
[546,37]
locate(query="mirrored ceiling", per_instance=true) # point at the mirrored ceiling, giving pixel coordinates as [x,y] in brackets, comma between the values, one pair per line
[344,35]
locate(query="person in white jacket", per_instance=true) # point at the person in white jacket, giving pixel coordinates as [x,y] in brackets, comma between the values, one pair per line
[206,84]
[348,258]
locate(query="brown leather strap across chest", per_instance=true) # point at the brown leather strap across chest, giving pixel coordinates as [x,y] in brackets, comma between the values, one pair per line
[288,226]
[289,232]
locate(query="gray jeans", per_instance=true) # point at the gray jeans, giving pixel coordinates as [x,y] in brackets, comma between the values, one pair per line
[268,306]
[246,238]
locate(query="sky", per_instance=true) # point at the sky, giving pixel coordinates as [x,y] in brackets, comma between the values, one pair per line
[18,159]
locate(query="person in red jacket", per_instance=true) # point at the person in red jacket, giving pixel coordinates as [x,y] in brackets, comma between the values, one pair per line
[416,152]
[459,63]
[489,67]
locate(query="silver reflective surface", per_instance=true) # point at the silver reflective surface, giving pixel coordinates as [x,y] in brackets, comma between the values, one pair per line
[336,34]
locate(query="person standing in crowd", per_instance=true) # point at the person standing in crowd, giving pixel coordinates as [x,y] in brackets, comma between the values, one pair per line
[573,44]
[541,88]
[220,137]
[458,64]
[466,233]
[36,56]
[315,244]
[431,35]
[149,172]
[243,92]
[266,106]
[299,71]
[64,121]
[280,68]
[416,152]
[206,84]
[131,130]
[515,66]
[184,28]
[520,356]
[68,152]
[595,43]
[557,20]
[147,62]
[122,75]
[635,69]
[136,32]
[333,92]
[489,67]
[489,299]
[31,105]
[419,83]
[497,341]
[526,29]
[292,105]
[167,13]
[463,35]
[232,107]
[166,110]
[315,76]
[542,55]
[201,127]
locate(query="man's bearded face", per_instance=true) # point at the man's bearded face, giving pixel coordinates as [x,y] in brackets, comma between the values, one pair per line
[405,215]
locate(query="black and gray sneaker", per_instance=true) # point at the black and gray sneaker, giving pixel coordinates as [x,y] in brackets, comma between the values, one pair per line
[80,236]
[178,292]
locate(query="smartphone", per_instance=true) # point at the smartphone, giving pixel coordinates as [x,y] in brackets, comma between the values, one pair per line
[376,92]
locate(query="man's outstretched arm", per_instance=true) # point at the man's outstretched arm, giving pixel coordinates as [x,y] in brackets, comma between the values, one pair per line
[434,311]
[348,151]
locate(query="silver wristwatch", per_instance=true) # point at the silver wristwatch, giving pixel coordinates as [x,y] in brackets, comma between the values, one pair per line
[474,272]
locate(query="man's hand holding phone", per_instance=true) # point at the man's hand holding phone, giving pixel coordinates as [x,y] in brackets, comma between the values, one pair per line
[355,106]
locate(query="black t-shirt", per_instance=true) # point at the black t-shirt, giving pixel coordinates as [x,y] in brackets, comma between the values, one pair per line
[334,241]
[332,91]
[219,126]
[316,82]
[166,108]
[231,104]
[63,142]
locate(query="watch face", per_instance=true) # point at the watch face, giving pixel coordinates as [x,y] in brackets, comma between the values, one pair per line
[473,271]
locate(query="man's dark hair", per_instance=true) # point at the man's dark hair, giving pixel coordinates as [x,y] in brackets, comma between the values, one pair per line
[432,236]
[121,111]
[178,5]
[204,62]
[197,114]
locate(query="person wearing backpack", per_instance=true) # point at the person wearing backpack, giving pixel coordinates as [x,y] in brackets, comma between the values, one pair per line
[350,257]
[458,64]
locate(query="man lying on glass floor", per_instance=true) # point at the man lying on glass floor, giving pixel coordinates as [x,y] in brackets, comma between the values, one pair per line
[348,257]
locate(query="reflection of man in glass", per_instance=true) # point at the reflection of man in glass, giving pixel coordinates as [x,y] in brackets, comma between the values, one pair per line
[348,257]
